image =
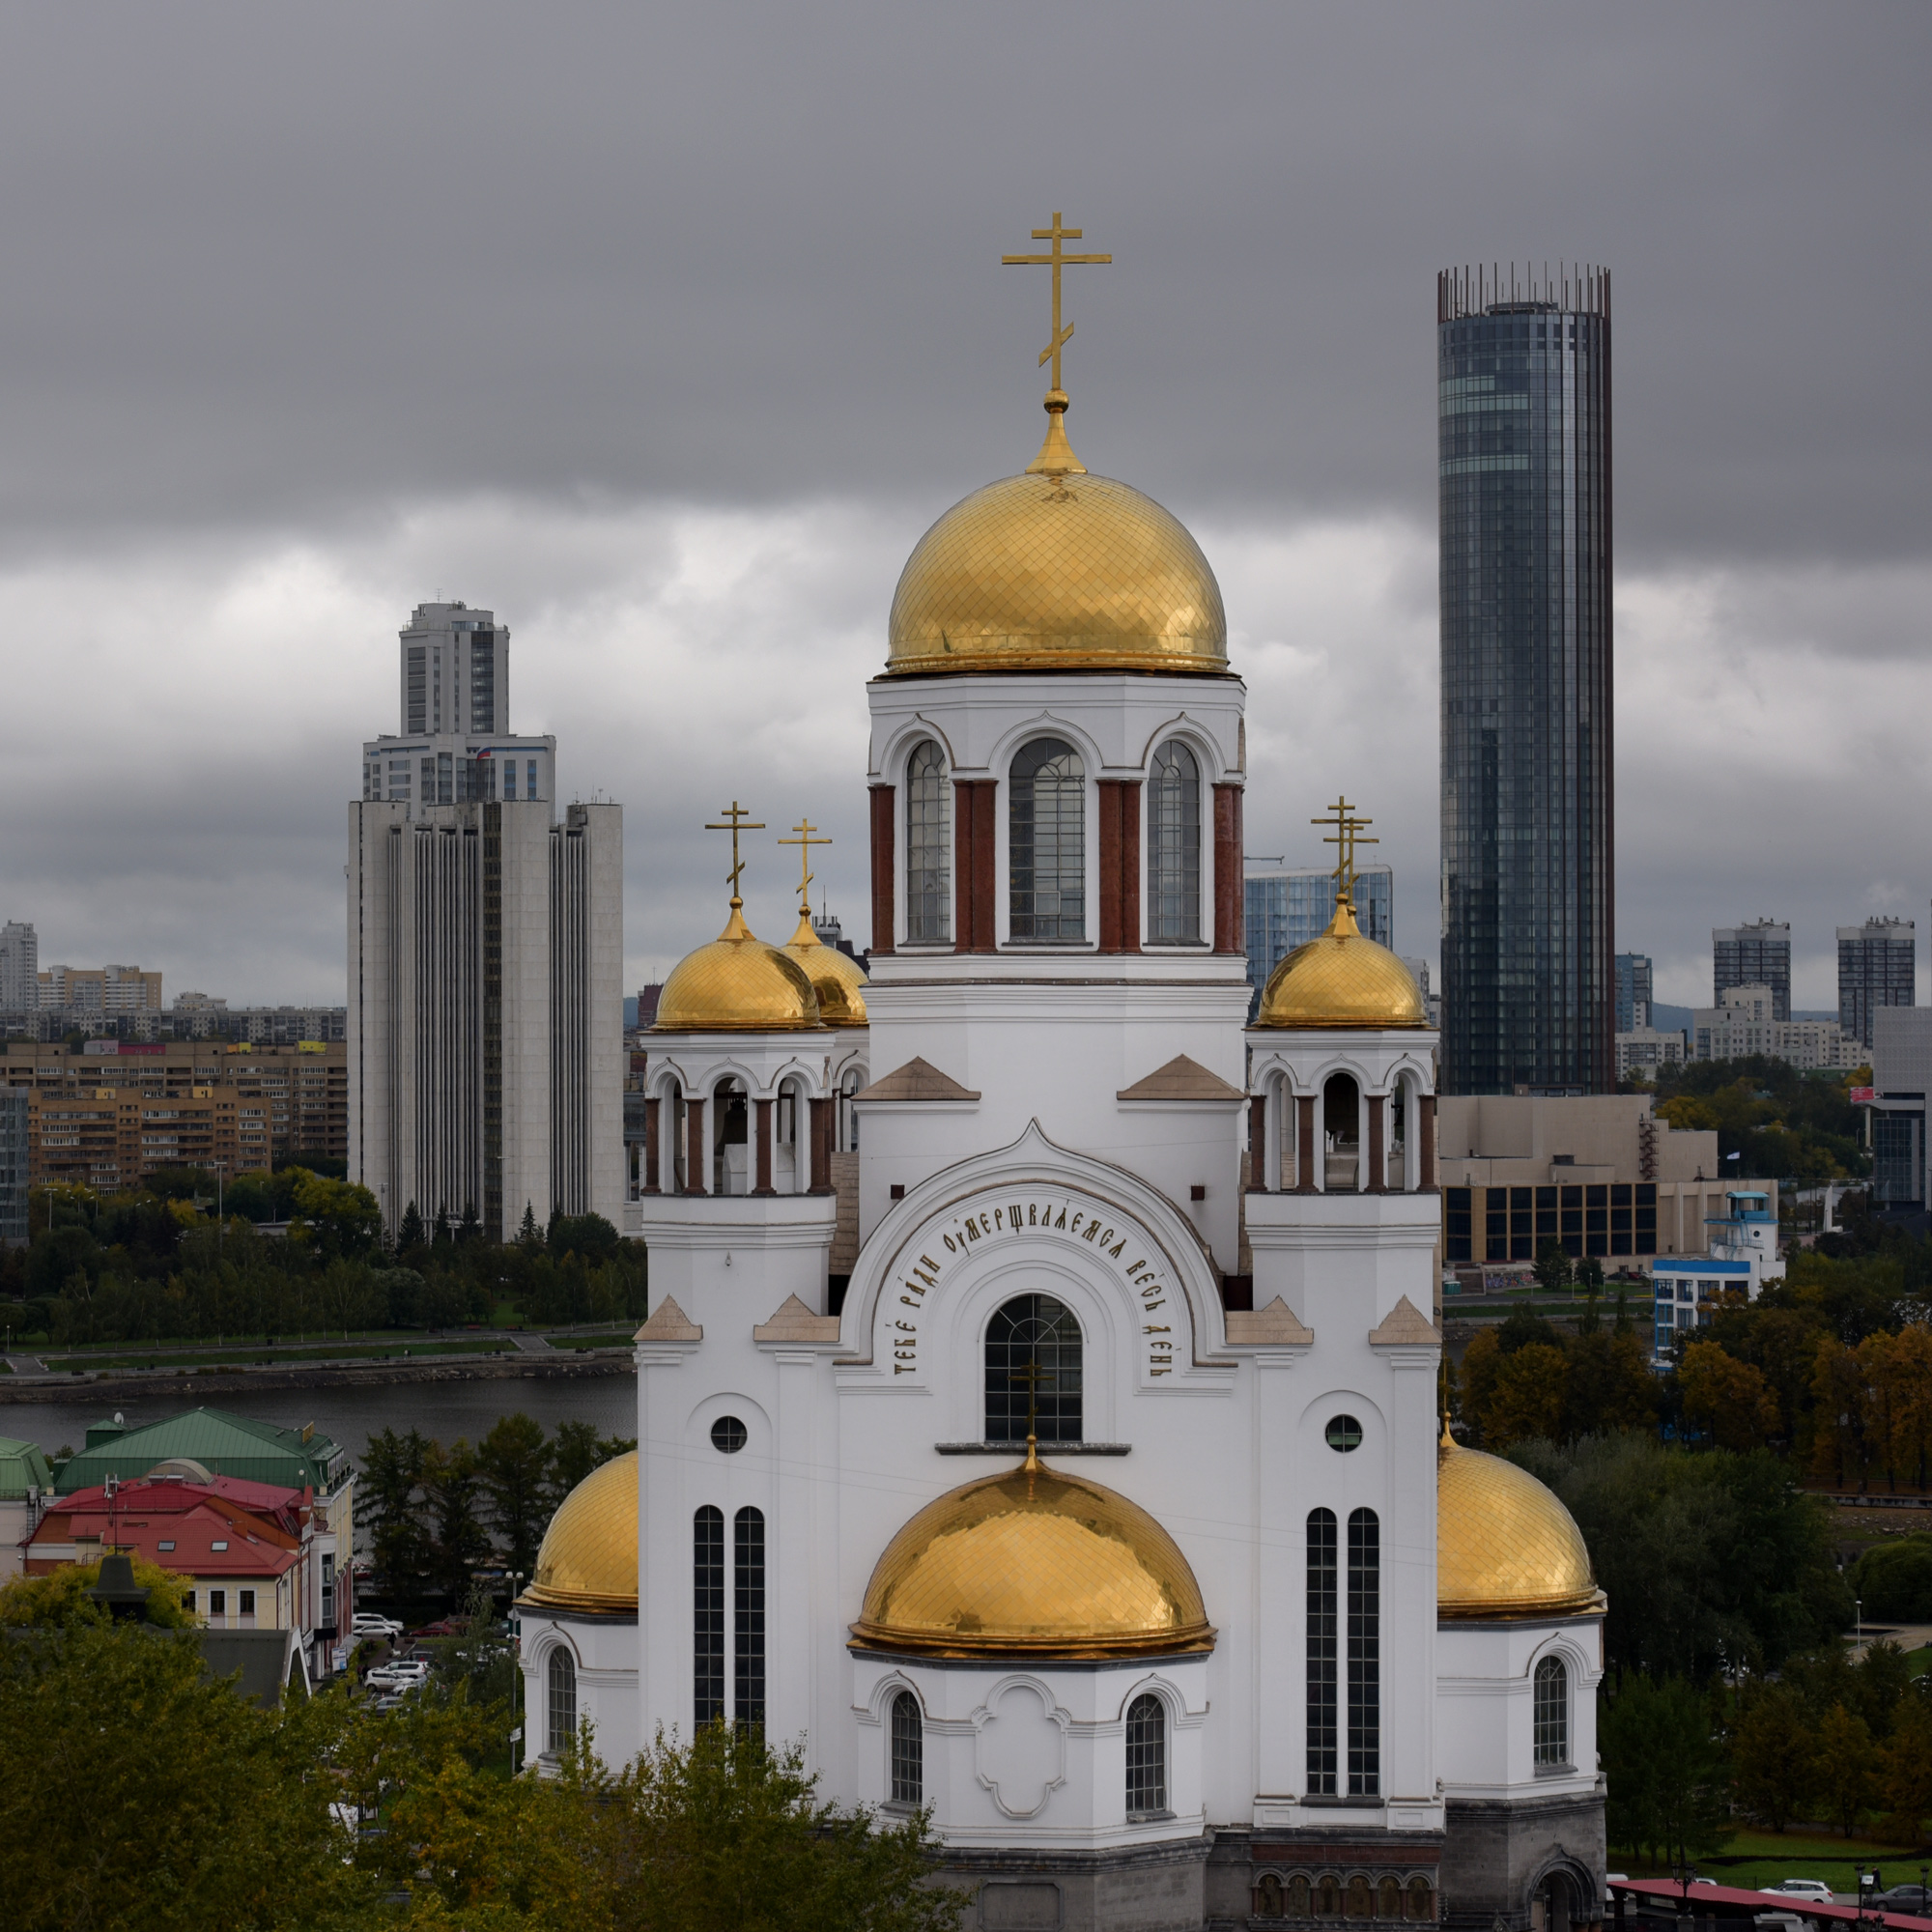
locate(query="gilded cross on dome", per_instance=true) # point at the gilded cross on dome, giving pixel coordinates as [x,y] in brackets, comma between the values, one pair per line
[1056,457]
[740,820]
[804,842]
[1348,834]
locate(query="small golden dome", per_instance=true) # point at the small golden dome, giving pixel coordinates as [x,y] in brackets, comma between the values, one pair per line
[1033,1563]
[588,1561]
[1056,572]
[837,979]
[1505,1546]
[1341,980]
[737,984]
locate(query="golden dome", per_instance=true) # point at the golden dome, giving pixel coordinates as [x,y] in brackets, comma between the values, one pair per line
[589,1555]
[1053,573]
[1033,1563]
[837,979]
[1341,980]
[1505,1546]
[737,984]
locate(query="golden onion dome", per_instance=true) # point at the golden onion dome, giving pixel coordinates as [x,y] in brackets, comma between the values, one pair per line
[1505,1546]
[737,984]
[1342,979]
[837,979]
[1058,569]
[1033,1563]
[588,1561]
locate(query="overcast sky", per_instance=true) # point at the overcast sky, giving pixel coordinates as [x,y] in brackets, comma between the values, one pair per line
[664,332]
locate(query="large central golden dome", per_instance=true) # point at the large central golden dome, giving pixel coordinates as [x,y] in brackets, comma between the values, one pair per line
[1506,1548]
[1033,1563]
[588,1561]
[1057,573]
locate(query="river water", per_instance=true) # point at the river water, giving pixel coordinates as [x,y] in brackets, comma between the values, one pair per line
[352,1414]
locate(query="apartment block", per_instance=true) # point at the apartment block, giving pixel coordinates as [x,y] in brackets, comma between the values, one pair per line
[1746,1023]
[115,1137]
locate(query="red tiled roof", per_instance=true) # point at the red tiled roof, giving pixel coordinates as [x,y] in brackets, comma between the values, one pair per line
[188,1516]
[169,1495]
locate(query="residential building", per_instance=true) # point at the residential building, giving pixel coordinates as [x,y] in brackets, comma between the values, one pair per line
[1692,1289]
[1878,966]
[100,989]
[19,967]
[1633,994]
[1745,1024]
[1642,1050]
[15,1165]
[1599,1174]
[485,955]
[1527,773]
[25,1484]
[1758,954]
[1902,1064]
[286,1102]
[111,1138]
[1288,906]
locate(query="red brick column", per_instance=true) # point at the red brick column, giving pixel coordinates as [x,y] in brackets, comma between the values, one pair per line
[885,868]
[697,1155]
[1229,935]
[764,1178]
[1120,866]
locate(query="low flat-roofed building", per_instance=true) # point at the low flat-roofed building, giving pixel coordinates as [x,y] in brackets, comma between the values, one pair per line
[1598,1173]
[1690,1290]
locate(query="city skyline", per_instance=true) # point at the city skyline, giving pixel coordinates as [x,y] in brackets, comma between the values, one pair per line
[170,574]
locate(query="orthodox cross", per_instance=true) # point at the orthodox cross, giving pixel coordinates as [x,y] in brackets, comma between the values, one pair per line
[739,821]
[1056,260]
[804,842]
[1032,1375]
[1348,834]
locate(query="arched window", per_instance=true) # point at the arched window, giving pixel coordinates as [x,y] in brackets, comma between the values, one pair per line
[1033,1366]
[908,1750]
[1328,1896]
[562,1680]
[1299,1903]
[731,1138]
[1147,1755]
[1365,1667]
[1321,1617]
[1342,1131]
[1359,1896]
[1552,1712]
[928,805]
[1268,1897]
[1420,1904]
[1174,846]
[708,1614]
[1046,844]
[748,1578]
[1388,1898]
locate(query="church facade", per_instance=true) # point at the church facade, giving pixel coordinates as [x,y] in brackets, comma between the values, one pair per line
[1102,1505]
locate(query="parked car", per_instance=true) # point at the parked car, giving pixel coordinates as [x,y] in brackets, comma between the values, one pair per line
[1913,1899]
[409,1671]
[1813,1889]
[443,1626]
[365,1622]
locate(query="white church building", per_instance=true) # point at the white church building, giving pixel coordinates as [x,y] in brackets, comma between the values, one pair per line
[1099,1502]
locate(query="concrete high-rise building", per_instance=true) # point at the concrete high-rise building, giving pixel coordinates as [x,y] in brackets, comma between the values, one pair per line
[1524,417]
[1878,966]
[1286,906]
[1634,991]
[19,967]
[485,954]
[1758,954]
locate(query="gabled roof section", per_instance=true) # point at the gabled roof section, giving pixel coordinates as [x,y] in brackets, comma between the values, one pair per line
[224,1444]
[1277,1325]
[1406,1326]
[1181,1079]
[23,1466]
[669,1323]
[270,1663]
[795,1323]
[917,1080]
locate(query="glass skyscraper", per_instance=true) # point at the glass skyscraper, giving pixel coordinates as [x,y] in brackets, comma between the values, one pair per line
[1524,419]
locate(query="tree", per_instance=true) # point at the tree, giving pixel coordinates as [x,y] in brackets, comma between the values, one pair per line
[1665,1771]
[1552,1268]
[529,1237]
[579,1449]
[459,1542]
[1529,1397]
[409,1236]
[1610,1386]
[60,1599]
[1775,1756]
[1841,1442]
[1905,1774]
[1894,1581]
[513,1466]
[1725,1397]
[1845,1766]
[394,1469]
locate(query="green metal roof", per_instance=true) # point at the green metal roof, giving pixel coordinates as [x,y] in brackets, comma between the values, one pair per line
[226,1445]
[23,1466]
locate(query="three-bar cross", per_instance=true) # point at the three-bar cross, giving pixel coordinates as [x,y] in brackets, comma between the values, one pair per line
[1056,260]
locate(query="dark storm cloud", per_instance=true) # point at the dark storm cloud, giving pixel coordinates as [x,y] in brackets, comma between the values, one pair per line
[272,265]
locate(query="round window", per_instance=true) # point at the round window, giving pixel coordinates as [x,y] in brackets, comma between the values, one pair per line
[728,1435]
[1345,1433]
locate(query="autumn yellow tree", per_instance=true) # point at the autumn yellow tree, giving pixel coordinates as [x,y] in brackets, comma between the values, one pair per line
[1528,1397]
[1842,1439]
[1729,1398]
[1897,1371]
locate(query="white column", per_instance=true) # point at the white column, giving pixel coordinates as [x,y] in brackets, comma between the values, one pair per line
[789,1605]
[664,1545]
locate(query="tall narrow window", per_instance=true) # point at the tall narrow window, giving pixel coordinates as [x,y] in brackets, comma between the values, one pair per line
[1552,1712]
[1322,1653]
[928,846]
[908,1751]
[561,1682]
[1147,1755]
[748,1679]
[1365,1648]
[1046,856]
[1174,846]
[1033,1371]
[708,1613]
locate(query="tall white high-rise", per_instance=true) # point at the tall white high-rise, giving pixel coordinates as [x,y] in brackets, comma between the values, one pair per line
[485,954]
[19,967]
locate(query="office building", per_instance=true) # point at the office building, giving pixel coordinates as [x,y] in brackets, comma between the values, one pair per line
[1633,994]
[485,1023]
[1758,954]
[1878,966]
[1901,1078]
[1692,1291]
[1523,418]
[1743,1025]
[19,967]
[1288,906]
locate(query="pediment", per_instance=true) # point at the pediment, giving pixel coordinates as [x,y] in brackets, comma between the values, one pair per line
[1181,1079]
[795,1323]
[668,1322]
[917,1080]
[1406,1326]
[1277,1325]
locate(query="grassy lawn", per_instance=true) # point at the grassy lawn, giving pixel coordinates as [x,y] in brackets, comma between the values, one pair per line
[370,1352]
[1753,1859]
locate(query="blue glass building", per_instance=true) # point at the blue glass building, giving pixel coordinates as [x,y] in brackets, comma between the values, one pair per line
[1286,909]
[1633,994]
[1524,421]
